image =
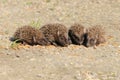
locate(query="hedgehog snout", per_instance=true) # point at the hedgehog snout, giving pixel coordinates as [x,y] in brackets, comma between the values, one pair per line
[91,42]
[63,40]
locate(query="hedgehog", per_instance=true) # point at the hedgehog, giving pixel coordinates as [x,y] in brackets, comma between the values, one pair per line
[56,34]
[95,35]
[76,33]
[31,36]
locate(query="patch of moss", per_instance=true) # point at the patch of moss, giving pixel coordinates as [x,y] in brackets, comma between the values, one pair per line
[35,24]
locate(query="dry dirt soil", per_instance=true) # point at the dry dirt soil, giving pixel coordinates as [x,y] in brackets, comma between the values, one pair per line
[60,63]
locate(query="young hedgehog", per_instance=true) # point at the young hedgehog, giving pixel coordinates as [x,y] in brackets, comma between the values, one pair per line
[76,33]
[95,35]
[30,35]
[56,34]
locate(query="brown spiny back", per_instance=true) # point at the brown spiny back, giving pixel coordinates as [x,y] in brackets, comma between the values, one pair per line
[30,35]
[56,33]
[95,35]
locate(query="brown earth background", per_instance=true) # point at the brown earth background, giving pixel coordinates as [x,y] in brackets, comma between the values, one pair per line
[60,63]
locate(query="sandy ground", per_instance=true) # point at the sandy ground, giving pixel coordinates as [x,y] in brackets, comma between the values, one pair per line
[60,63]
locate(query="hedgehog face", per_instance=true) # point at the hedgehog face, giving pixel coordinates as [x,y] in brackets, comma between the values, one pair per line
[78,39]
[63,40]
[91,40]
[101,39]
